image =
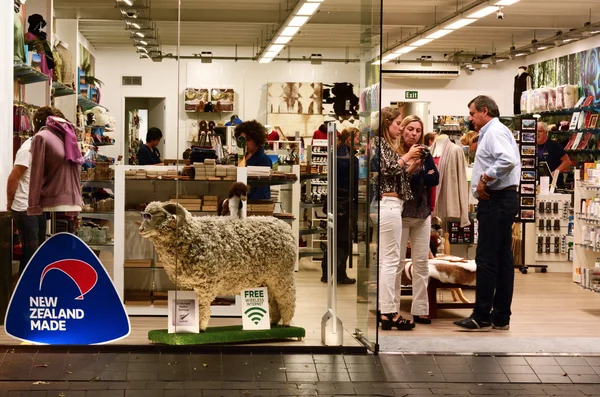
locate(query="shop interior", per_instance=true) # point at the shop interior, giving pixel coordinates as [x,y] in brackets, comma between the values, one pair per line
[196,72]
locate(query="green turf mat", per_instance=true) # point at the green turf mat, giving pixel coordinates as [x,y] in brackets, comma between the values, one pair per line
[230,334]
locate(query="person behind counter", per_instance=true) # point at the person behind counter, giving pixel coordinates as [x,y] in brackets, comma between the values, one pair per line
[551,151]
[256,137]
[148,153]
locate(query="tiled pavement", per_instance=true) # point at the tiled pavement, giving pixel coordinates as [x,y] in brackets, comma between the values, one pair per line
[41,373]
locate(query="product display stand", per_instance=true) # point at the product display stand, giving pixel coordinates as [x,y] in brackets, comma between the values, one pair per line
[586,228]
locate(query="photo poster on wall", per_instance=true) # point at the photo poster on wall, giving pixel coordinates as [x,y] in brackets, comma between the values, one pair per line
[222,99]
[195,99]
[295,98]
[526,138]
[581,69]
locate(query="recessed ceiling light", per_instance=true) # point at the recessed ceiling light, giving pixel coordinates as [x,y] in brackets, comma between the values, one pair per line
[298,21]
[139,34]
[595,32]
[308,9]
[389,57]
[143,42]
[143,49]
[282,39]
[290,31]
[276,47]
[521,54]
[421,42]
[506,2]
[404,50]
[315,1]
[128,2]
[439,33]
[460,23]
[568,40]
[135,25]
[484,12]
[270,54]
[544,48]
[265,60]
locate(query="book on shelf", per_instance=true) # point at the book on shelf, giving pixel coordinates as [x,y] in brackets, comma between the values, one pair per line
[577,140]
[588,101]
[584,141]
[569,144]
[581,120]
[580,102]
[574,121]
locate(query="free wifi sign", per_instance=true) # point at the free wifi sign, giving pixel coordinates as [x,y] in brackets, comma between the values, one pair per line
[255,309]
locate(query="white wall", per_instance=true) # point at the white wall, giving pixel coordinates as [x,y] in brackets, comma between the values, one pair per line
[450,97]
[247,78]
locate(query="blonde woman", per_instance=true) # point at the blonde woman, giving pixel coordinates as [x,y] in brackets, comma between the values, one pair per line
[394,190]
[416,216]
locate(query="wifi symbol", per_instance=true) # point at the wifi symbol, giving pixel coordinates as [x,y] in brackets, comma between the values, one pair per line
[255,314]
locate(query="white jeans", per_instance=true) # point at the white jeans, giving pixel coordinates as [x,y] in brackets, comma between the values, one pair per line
[419,232]
[390,236]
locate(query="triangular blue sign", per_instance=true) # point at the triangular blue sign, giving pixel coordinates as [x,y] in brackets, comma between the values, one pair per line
[65,297]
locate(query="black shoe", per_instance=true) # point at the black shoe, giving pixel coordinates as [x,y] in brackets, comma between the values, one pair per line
[472,325]
[503,327]
[421,320]
[347,280]
[402,324]
[323,279]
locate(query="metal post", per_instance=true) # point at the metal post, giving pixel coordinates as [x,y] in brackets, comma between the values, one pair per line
[331,326]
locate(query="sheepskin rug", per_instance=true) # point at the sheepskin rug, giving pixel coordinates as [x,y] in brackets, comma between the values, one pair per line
[449,269]
[217,256]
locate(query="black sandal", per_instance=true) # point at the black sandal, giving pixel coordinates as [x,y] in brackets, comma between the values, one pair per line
[421,320]
[402,324]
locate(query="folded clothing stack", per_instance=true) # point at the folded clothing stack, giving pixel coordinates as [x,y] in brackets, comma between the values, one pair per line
[210,204]
[188,201]
[260,208]
[259,172]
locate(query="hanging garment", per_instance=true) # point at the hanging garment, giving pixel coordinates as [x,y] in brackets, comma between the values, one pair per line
[66,66]
[19,40]
[520,88]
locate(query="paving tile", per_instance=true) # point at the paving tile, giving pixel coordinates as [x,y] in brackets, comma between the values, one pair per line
[113,357]
[480,360]
[362,368]
[29,393]
[571,361]
[221,393]
[393,359]
[174,376]
[578,370]
[332,367]
[308,367]
[236,359]
[362,359]
[593,360]
[246,375]
[210,359]
[201,385]
[511,360]
[328,359]
[112,375]
[163,385]
[143,366]
[491,378]
[547,369]
[302,377]
[365,377]
[455,369]
[424,369]
[429,377]
[144,393]
[66,392]
[88,385]
[212,376]
[181,393]
[398,377]
[267,359]
[486,369]
[550,378]
[420,360]
[82,365]
[414,392]
[298,359]
[143,358]
[517,369]
[585,378]
[270,377]
[46,373]
[523,378]
[105,393]
[307,392]
[142,375]
[450,360]
[541,361]
[334,376]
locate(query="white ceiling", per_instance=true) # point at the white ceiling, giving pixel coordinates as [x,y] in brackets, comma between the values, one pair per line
[338,24]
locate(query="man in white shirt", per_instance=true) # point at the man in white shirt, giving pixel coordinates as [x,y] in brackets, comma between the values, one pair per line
[495,180]
[32,229]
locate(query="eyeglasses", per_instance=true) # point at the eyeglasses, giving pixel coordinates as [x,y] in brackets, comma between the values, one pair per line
[146,216]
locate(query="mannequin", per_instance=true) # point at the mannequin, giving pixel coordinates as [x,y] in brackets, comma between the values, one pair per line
[522,84]
[452,193]
[55,169]
[66,63]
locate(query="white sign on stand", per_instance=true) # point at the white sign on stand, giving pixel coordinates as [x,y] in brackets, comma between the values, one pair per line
[183,312]
[255,309]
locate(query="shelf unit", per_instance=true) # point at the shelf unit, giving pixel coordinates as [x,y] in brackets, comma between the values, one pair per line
[563,112]
[584,254]
[61,90]
[24,74]
[87,104]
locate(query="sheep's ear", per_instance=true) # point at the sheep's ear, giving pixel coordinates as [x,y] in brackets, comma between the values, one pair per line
[177,212]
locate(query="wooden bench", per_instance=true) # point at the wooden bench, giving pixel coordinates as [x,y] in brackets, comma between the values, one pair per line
[434,305]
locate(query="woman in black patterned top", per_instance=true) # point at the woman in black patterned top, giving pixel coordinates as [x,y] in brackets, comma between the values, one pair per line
[416,217]
[394,190]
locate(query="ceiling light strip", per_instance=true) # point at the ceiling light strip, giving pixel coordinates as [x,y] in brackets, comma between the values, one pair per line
[299,17]
[455,23]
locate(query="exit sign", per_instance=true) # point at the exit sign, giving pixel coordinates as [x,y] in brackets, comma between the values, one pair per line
[411,94]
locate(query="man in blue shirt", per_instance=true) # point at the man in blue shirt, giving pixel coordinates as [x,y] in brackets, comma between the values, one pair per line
[148,153]
[495,180]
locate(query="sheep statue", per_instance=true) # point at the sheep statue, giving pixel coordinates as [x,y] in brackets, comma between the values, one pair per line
[220,256]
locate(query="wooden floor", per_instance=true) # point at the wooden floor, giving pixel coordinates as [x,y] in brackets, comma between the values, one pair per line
[545,305]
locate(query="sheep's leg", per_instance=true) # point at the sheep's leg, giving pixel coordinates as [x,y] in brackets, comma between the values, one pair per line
[204,308]
[284,293]
[274,310]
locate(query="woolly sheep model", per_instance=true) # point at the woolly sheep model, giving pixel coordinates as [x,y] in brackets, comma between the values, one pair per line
[220,256]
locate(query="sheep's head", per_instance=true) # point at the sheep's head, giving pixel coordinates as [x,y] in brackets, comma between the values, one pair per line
[159,218]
